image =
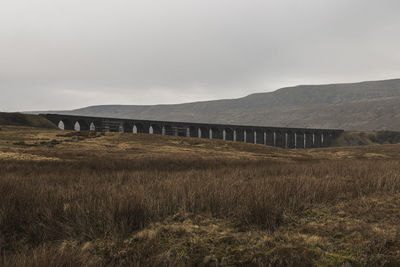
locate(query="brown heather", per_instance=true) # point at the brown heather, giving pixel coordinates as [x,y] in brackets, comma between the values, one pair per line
[194,202]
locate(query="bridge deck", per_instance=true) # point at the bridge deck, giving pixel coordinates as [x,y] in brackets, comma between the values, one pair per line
[284,137]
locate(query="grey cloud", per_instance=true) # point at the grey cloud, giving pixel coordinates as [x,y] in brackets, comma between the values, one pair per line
[67,54]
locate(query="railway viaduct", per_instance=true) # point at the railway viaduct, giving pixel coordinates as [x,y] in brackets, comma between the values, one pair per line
[273,136]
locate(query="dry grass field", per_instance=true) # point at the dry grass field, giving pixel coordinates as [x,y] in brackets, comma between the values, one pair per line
[72,199]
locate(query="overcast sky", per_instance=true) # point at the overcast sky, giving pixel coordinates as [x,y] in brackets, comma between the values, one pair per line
[64,54]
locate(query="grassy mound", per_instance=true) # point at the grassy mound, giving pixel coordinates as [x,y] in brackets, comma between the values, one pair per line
[367,138]
[19,119]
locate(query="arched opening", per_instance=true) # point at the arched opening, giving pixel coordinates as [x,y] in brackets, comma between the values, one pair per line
[135,131]
[61,125]
[127,127]
[193,131]
[299,140]
[92,127]
[239,135]
[280,139]
[216,133]
[317,139]
[270,138]
[204,132]
[327,139]
[65,125]
[155,129]
[259,136]
[140,128]
[181,131]
[249,133]
[308,140]
[81,125]
[227,134]
[77,126]
[169,130]
[291,139]
[121,128]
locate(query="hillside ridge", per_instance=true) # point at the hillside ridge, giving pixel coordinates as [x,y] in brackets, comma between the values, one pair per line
[366,106]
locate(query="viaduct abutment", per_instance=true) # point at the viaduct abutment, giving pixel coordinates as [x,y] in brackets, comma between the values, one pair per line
[272,136]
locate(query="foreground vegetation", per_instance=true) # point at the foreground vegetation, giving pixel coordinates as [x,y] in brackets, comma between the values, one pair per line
[70,199]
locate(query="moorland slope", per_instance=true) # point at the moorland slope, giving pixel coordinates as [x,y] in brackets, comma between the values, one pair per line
[77,198]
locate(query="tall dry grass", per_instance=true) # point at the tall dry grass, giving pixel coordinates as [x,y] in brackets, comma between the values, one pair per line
[50,202]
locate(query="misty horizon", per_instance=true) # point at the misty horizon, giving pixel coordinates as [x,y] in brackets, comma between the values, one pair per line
[211,100]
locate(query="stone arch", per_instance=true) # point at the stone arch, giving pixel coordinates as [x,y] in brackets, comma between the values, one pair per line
[299,139]
[249,134]
[77,126]
[239,134]
[121,128]
[92,127]
[227,134]
[308,139]
[81,125]
[126,127]
[169,130]
[270,137]
[317,139]
[193,131]
[139,128]
[65,124]
[216,133]
[204,131]
[280,139]
[157,129]
[181,130]
[259,136]
[291,139]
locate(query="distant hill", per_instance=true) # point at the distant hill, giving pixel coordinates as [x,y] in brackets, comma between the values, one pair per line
[373,105]
[18,119]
